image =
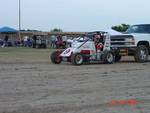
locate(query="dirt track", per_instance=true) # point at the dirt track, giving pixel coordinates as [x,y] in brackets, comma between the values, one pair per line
[41,87]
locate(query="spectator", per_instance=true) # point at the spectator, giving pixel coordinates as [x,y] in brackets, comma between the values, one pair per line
[5,41]
[1,42]
[25,41]
[53,41]
[34,41]
[17,42]
[64,38]
[29,42]
[59,42]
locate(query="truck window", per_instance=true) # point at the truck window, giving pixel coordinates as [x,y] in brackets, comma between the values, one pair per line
[139,29]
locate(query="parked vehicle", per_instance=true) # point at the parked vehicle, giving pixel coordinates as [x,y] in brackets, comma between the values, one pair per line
[96,48]
[135,42]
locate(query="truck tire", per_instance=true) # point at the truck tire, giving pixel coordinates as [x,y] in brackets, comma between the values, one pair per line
[77,59]
[141,54]
[55,58]
[108,57]
[117,58]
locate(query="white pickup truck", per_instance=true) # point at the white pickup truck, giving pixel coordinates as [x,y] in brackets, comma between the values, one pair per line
[135,42]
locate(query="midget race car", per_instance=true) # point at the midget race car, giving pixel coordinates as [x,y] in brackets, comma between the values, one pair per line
[94,48]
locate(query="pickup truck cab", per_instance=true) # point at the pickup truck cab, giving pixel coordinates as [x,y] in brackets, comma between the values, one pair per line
[135,42]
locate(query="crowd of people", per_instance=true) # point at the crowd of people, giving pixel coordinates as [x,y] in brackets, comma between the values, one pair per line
[34,41]
[6,42]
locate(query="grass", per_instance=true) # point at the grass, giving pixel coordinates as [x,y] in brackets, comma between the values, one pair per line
[24,55]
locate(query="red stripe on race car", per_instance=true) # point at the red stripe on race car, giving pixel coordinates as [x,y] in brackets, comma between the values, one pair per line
[85,52]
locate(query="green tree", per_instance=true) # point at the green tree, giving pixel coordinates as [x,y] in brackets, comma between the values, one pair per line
[56,30]
[121,28]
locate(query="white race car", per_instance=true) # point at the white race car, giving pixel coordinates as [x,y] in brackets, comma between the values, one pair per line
[96,48]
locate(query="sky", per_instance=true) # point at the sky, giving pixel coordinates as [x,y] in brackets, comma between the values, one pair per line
[74,15]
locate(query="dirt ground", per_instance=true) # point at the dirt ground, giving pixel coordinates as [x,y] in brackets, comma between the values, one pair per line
[29,83]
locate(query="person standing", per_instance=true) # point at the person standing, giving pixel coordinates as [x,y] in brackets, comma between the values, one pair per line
[25,41]
[34,38]
[5,41]
[53,41]
[64,38]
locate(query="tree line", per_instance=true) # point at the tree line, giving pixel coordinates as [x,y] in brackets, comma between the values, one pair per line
[119,28]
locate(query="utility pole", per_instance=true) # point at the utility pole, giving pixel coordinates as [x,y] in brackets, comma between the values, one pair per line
[20,19]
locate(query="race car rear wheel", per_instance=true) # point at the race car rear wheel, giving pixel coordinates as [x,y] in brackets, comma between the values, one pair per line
[77,59]
[108,57]
[55,57]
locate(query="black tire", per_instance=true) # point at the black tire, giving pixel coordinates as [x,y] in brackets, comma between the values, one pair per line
[108,57]
[55,58]
[117,58]
[77,59]
[141,54]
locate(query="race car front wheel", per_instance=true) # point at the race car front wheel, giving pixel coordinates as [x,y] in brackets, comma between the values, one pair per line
[77,59]
[55,57]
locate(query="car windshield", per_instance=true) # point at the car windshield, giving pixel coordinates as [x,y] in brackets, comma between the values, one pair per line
[139,29]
